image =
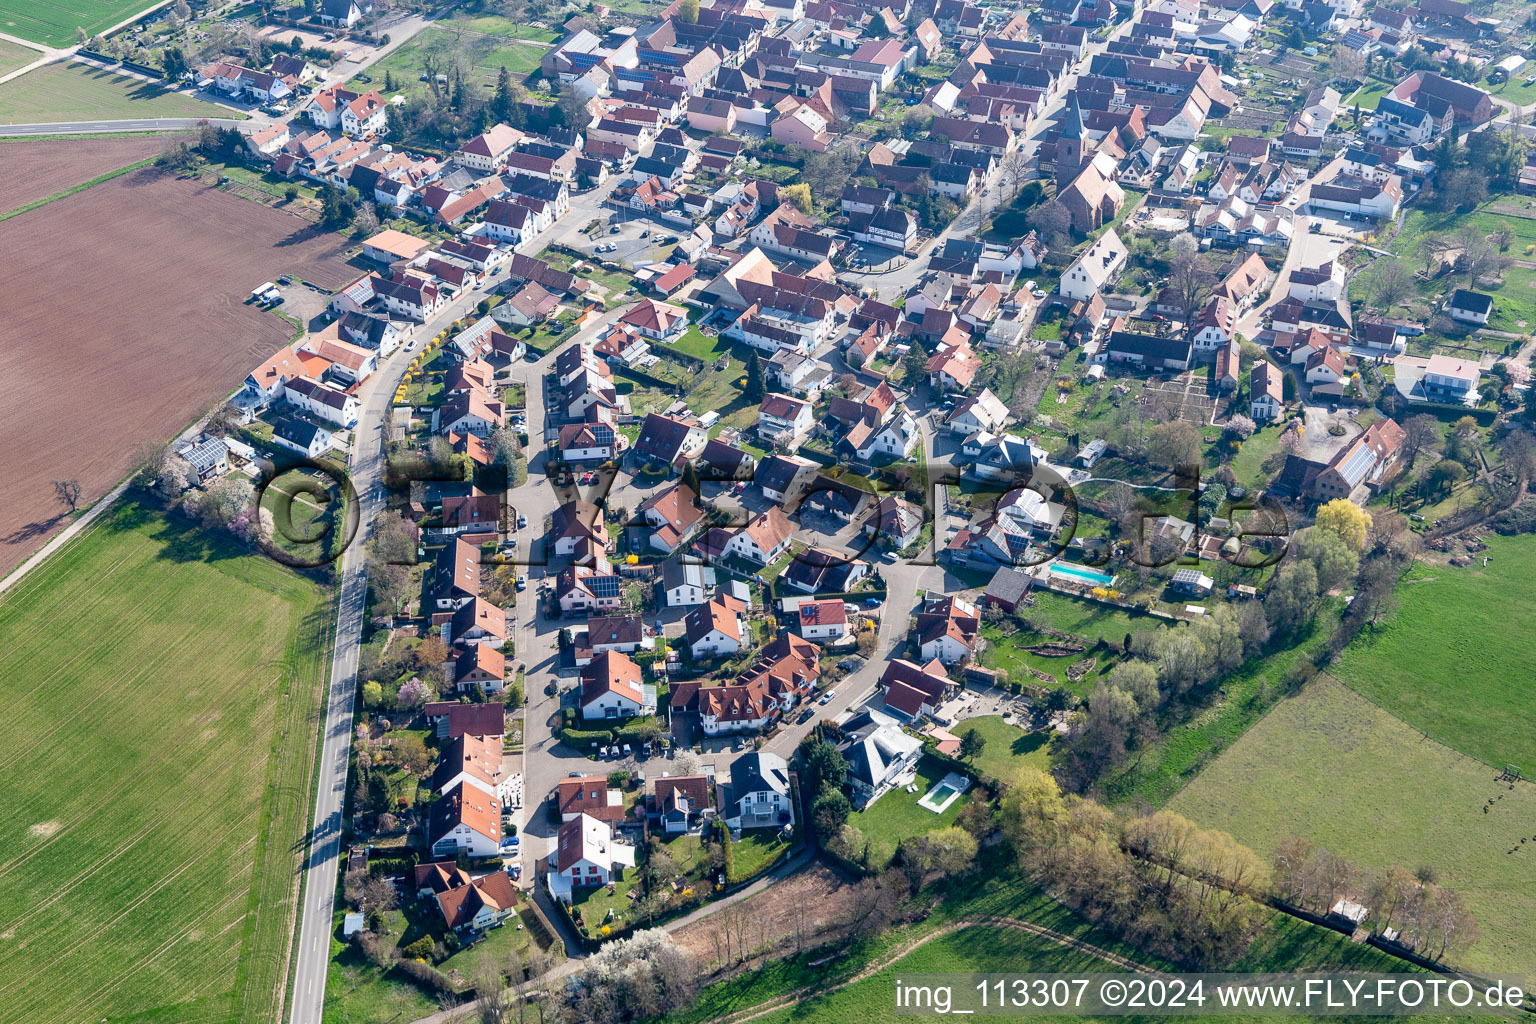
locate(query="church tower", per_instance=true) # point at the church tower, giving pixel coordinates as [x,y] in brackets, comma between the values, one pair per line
[1073,146]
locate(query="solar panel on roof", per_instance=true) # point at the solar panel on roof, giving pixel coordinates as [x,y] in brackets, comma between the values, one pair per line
[605,586]
[1358,464]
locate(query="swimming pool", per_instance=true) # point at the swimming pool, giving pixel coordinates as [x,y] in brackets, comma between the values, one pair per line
[1082,574]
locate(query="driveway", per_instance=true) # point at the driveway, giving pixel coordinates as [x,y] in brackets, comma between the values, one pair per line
[1317,442]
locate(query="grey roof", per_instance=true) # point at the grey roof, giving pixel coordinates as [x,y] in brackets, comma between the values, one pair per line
[756,772]
[677,573]
[873,742]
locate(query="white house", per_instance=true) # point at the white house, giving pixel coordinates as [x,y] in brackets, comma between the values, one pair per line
[781,416]
[758,794]
[1317,284]
[586,855]
[1094,269]
[488,151]
[822,620]
[683,583]
[879,754]
[322,401]
[1449,379]
[763,539]
[612,687]
[1267,395]
[466,820]
[1470,307]
[980,412]
[716,628]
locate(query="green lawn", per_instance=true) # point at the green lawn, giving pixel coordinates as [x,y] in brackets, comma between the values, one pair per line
[1514,88]
[14,55]
[1247,464]
[695,342]
[1367,96]
[1449,663]
[161,688]
[73,92]
[1007,747]
[55,24]
[896,815]
[357,992]
[1330,765]
[487,53]
[594,903]
[1006,651]
[755,851]
[498,25]
[1514,302]
[302,521]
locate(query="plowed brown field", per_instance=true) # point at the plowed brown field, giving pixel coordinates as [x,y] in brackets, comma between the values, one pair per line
[37,170]
[123,320]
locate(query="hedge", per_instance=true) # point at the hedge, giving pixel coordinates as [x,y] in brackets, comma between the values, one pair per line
[391,865]
[583,738]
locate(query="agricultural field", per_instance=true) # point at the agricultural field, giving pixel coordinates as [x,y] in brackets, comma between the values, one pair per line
[54,23]
[158,774]
[1332,766]
[14,55]
[75,92]
[167,264]
[42,169]
[1448,662]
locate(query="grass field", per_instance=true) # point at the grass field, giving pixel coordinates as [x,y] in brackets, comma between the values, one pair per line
[1331,765]
[1158,772]
[896,815]
[161,688]
[498,25]
[73,92]
[54,23]
[485,53]
[1007,747]
[1449,664]
[857,985]
[14,55]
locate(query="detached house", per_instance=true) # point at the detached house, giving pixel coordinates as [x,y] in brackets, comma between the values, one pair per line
[612,687]
[716,628]
[947,628]
[467,821]
[586,855]
[758,794]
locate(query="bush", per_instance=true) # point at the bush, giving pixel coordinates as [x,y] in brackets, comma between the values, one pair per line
[421,949]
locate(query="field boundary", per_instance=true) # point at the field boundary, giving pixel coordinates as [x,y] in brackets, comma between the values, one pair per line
[38,203]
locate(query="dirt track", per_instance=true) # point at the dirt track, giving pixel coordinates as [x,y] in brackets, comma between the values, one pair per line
[36,170]
[124,320]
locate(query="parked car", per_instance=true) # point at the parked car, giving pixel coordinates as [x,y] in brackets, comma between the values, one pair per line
[826,698]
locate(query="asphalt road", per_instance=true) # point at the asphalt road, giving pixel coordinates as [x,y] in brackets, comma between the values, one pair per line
[150,124]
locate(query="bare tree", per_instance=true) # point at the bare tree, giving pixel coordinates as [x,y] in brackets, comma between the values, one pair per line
[1192,280]
[1393,285]
[68,493]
